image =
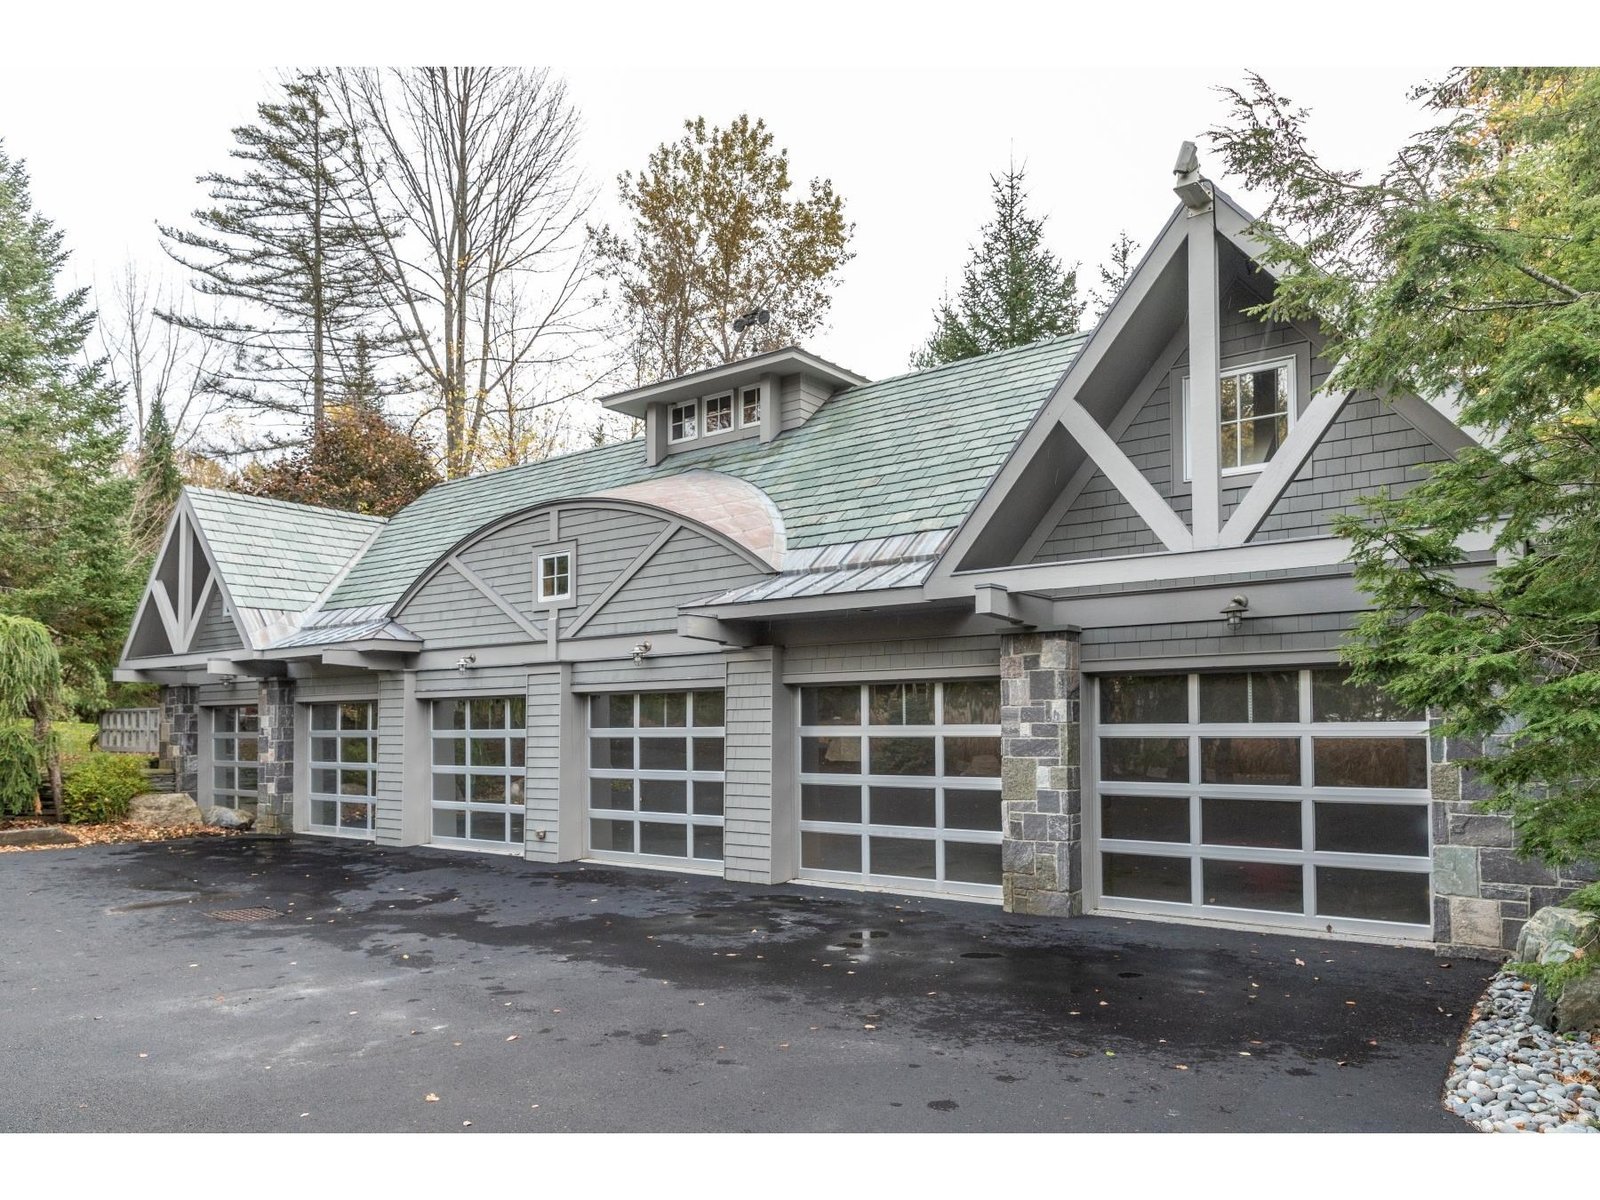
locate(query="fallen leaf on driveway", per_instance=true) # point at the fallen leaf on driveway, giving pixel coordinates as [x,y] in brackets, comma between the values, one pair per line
[513,1037]
[431,1098]
[1179,1067]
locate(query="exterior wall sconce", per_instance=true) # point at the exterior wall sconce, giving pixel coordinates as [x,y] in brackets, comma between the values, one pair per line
[1234,611]
[466,662]
[640,651]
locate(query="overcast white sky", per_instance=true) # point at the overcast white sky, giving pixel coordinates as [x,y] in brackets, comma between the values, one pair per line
[907,111]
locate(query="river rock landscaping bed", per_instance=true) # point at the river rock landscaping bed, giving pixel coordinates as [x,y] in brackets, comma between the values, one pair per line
[1513,1076]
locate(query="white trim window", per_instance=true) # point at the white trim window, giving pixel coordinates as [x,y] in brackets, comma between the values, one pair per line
[656,777]
[683,421]
[1257,412]
[750,408]
[344,767]
[719,413]
[900,785]
[235,750]
[554,575]
[479,771]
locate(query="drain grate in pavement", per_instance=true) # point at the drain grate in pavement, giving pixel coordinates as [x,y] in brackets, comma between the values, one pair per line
[245,914]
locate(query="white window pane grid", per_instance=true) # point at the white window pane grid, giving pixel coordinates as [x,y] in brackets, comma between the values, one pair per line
[947,841]
[344,766]
[646,829]
[555,577]
[479,756]
[235,749]
[1246,442]
[719,413]
[1302,791]
[682,421]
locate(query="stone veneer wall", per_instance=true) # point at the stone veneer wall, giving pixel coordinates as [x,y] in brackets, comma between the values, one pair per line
[180,736]
[275,767]
[1482,892]
[1041,788]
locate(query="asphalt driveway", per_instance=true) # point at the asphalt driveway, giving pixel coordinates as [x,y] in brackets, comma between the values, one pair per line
[587,999]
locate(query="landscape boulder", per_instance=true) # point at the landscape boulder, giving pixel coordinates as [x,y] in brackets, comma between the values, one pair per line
[229,818]
[1575,1010]
[162,810]
[1553,934]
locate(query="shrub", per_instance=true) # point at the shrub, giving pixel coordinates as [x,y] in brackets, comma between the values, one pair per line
[1588,898]
[19,771]
[99,787]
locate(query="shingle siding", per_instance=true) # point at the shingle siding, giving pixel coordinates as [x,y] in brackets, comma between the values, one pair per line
[748,749]
[448,612]
[689,566]
[1306,632]
[542,793]
[391,759]
[217,631]
[863,661]
[1368,448]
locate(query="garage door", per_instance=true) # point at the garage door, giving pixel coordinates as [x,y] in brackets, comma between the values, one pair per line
[900,785]
[479,765]
[656,778]
[1287,797]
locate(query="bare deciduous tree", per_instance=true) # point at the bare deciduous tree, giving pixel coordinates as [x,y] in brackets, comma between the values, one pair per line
[156,362]
[468,178]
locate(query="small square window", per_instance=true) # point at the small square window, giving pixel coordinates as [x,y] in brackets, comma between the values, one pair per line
[555,577]
[719,413]
[750,407]
[682,422]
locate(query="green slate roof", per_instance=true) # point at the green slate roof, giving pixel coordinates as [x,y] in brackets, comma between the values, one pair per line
[904,455]
[274,554]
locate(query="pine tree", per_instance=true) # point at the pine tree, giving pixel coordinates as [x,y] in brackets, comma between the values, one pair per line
[1013,289]
[64,502]
[280,242]
[1114,273]
[1469,269]
[157,479]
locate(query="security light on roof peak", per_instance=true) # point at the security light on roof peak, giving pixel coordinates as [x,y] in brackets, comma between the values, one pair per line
[1194,191]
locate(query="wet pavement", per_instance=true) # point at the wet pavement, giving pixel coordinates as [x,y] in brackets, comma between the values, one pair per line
[257,984]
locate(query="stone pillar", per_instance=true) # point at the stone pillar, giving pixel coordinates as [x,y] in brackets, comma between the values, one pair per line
[275,789]
[1483,893]
[1041,787]
[180,736]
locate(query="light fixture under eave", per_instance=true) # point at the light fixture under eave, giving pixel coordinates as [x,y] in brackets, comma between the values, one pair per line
[640,651]
[1234,611]
[466,662]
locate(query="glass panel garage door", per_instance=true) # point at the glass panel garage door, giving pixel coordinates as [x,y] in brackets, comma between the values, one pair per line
[235,749]
[900,785]
[655,778]
[344,767]
[1286,797]
[479,767]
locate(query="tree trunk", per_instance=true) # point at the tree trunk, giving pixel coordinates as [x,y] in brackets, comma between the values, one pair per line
[47,755]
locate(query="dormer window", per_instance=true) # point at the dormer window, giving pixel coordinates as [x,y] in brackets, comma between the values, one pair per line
[750,407]
[719,413]
[1256,411]
[682,423]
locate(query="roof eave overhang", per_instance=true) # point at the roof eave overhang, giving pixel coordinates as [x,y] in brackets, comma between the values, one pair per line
[789,361]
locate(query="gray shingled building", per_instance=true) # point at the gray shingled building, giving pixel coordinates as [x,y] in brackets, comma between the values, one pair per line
[1056,628]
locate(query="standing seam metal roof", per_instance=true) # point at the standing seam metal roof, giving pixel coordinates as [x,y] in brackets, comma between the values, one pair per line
[906,455]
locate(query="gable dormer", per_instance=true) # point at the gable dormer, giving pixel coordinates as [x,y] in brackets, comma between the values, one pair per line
[756,398]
